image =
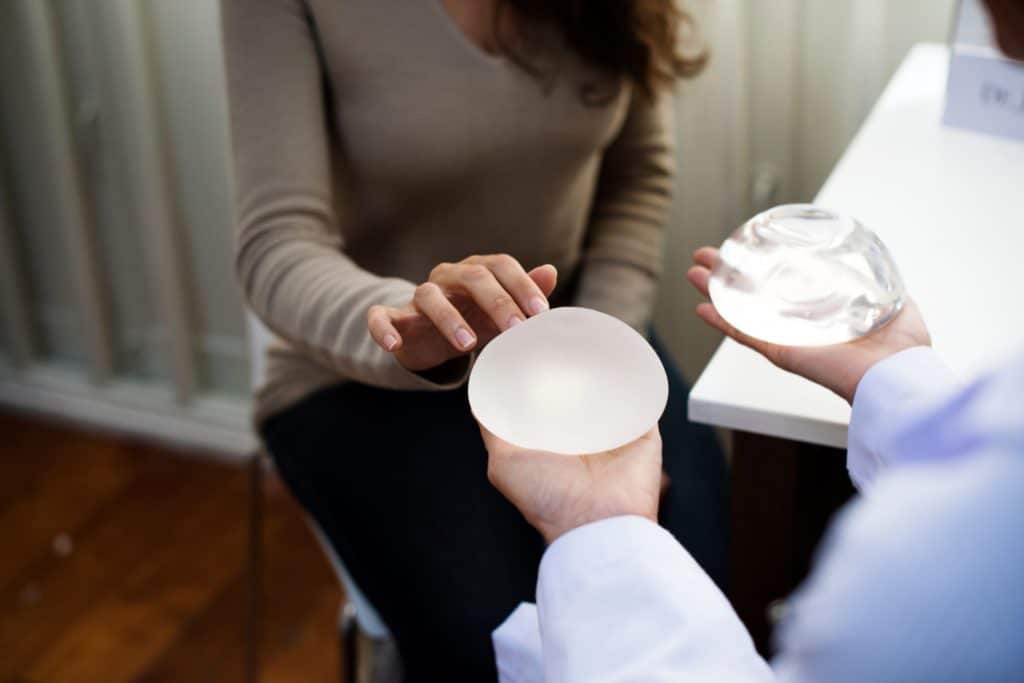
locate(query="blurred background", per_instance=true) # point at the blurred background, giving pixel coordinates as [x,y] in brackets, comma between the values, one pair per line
[119,310]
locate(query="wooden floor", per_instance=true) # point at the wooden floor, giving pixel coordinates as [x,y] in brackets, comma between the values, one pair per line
[120,561]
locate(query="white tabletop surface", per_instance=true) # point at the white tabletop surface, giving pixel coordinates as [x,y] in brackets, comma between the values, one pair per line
[949,204]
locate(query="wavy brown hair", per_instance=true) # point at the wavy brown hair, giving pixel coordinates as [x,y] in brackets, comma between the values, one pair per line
[638,39]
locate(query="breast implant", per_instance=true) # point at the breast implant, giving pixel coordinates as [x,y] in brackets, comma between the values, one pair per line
[801,275]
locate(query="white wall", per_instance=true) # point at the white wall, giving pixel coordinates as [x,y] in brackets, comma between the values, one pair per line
[121,223]
[186,43]
[713,167]
[180,43]
[41,250]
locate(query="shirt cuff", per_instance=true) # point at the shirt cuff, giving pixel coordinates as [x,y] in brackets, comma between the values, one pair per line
[604,586]
[620,599]
[886,392]
[517,647]
[594,546]
[573,556]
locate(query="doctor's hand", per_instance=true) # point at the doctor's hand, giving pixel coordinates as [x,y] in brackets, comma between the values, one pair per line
[460,308]
[557,493]
[839,367]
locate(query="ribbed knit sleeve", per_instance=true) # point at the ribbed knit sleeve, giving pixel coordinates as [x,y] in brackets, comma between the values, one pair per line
[622,260]
[290,256]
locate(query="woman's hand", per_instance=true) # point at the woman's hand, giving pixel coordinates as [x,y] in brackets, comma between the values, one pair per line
[839,367]
[557,493]
[461,307]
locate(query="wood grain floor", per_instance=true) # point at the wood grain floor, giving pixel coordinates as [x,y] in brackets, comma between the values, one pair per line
[121,561]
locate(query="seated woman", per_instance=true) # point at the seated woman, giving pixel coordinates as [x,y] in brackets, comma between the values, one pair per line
[412,178]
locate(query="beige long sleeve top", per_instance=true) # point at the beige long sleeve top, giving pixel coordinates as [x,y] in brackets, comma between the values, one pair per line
[372,140]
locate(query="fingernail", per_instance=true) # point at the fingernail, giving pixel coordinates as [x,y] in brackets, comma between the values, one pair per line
[538,305]
[390,342]
[464,338]
[513,321]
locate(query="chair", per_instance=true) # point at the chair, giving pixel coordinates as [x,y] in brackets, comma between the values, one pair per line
[355,612]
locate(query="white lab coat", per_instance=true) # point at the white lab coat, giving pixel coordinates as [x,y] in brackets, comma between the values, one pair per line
[920,579]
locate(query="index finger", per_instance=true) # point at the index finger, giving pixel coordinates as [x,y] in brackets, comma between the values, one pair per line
[513,277]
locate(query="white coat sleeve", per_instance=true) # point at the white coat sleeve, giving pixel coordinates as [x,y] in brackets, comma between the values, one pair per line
[620,600]
[894,393]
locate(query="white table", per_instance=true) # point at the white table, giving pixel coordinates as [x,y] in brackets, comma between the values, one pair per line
[949,204]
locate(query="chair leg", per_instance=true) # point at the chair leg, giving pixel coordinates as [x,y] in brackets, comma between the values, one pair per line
[348,631]
[254,622]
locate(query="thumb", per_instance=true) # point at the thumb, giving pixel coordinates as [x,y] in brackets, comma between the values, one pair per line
[546,277]
[496,447]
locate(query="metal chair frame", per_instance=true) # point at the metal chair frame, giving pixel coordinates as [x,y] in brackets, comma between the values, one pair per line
[356,614]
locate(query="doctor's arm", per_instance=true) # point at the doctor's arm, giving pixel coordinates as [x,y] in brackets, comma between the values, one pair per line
[890,376]
[618,599]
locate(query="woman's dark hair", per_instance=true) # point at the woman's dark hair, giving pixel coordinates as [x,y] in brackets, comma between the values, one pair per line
[638,39]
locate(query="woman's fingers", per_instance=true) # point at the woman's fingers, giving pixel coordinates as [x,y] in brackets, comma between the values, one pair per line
[491,297]
[546,277]
[477,280]
[430,300]
[511,276]
[383,331]
[496,284]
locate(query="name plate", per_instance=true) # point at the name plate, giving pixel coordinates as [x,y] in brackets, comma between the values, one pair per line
[985,94]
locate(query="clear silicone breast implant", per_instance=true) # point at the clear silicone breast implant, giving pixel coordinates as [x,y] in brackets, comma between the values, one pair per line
[803,276]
